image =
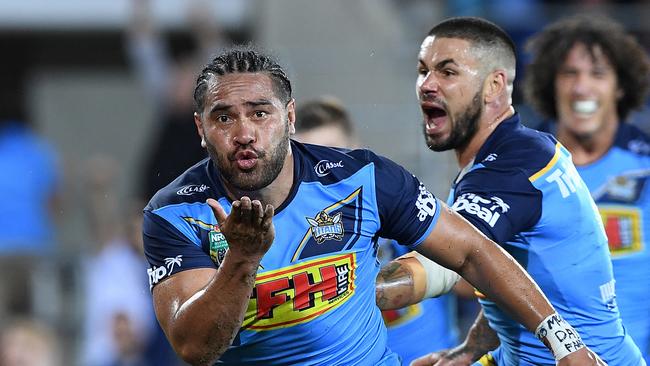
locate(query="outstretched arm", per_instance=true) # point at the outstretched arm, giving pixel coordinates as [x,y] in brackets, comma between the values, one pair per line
[201,310]
[459,246]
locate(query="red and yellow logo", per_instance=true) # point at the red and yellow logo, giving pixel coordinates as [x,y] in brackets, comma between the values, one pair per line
[394,318]
[296,294]
[623,229]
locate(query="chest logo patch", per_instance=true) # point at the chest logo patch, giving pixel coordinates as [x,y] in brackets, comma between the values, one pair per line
[326,227]
[297,294]
[218,246]
[332,229]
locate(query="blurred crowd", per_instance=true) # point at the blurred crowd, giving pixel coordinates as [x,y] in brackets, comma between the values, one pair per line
[88,302]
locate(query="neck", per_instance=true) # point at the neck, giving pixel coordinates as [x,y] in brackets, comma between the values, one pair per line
[487,125]
[275,193]
[587,148]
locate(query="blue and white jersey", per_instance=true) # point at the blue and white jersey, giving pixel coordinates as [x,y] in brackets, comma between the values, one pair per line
[314,298]
[523,191]
[619,182]
[421,328]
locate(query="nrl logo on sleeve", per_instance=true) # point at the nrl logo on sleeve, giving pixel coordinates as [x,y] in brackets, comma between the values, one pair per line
[326,227]
[218,246]
[323,167]
[488,210]
[191,189]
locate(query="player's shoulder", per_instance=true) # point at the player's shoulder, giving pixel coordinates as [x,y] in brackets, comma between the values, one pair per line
[330,165]
[194,185]
[515,147]
[632,139]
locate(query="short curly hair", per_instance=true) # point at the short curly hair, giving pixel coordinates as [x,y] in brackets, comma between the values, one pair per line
[550,47]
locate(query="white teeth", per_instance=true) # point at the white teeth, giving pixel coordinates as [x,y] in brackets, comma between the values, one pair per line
[585,106]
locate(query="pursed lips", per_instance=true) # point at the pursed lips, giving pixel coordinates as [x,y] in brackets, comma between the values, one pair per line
[245,159]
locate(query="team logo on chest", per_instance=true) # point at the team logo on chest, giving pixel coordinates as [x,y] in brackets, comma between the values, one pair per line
[332,229]
[326,227]
[626,188]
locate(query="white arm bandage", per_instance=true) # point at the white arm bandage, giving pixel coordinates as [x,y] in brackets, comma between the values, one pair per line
[440,280]
[561,336]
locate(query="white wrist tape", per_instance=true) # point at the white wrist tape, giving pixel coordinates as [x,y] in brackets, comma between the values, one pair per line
[561,336]
[440,280]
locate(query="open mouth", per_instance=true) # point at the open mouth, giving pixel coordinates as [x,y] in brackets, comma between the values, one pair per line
[584,107]
[434,118]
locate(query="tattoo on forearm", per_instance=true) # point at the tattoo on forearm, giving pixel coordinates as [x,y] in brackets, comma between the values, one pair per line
[394,286]
[481,338]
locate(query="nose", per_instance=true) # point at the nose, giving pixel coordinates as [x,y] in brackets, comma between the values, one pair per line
[581,84]
[427,84]
[245,132]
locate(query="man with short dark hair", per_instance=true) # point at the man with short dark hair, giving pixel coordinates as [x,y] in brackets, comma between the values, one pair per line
[265,253]
[518,187]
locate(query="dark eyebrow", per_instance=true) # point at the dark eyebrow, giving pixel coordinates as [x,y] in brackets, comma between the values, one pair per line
[445,62]
[259,102]
[440,65]
[220,107]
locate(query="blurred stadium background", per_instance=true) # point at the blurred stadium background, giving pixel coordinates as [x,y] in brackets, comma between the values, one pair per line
[70,70]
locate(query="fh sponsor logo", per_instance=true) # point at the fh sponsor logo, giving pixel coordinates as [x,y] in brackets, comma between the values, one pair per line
[323,167]
[488,210]
[426,203]
[326,227]
[191,189]
[158,273]
[300,293]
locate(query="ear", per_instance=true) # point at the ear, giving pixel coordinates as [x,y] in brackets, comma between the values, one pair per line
[199,127]
[291,116]
[495,85]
